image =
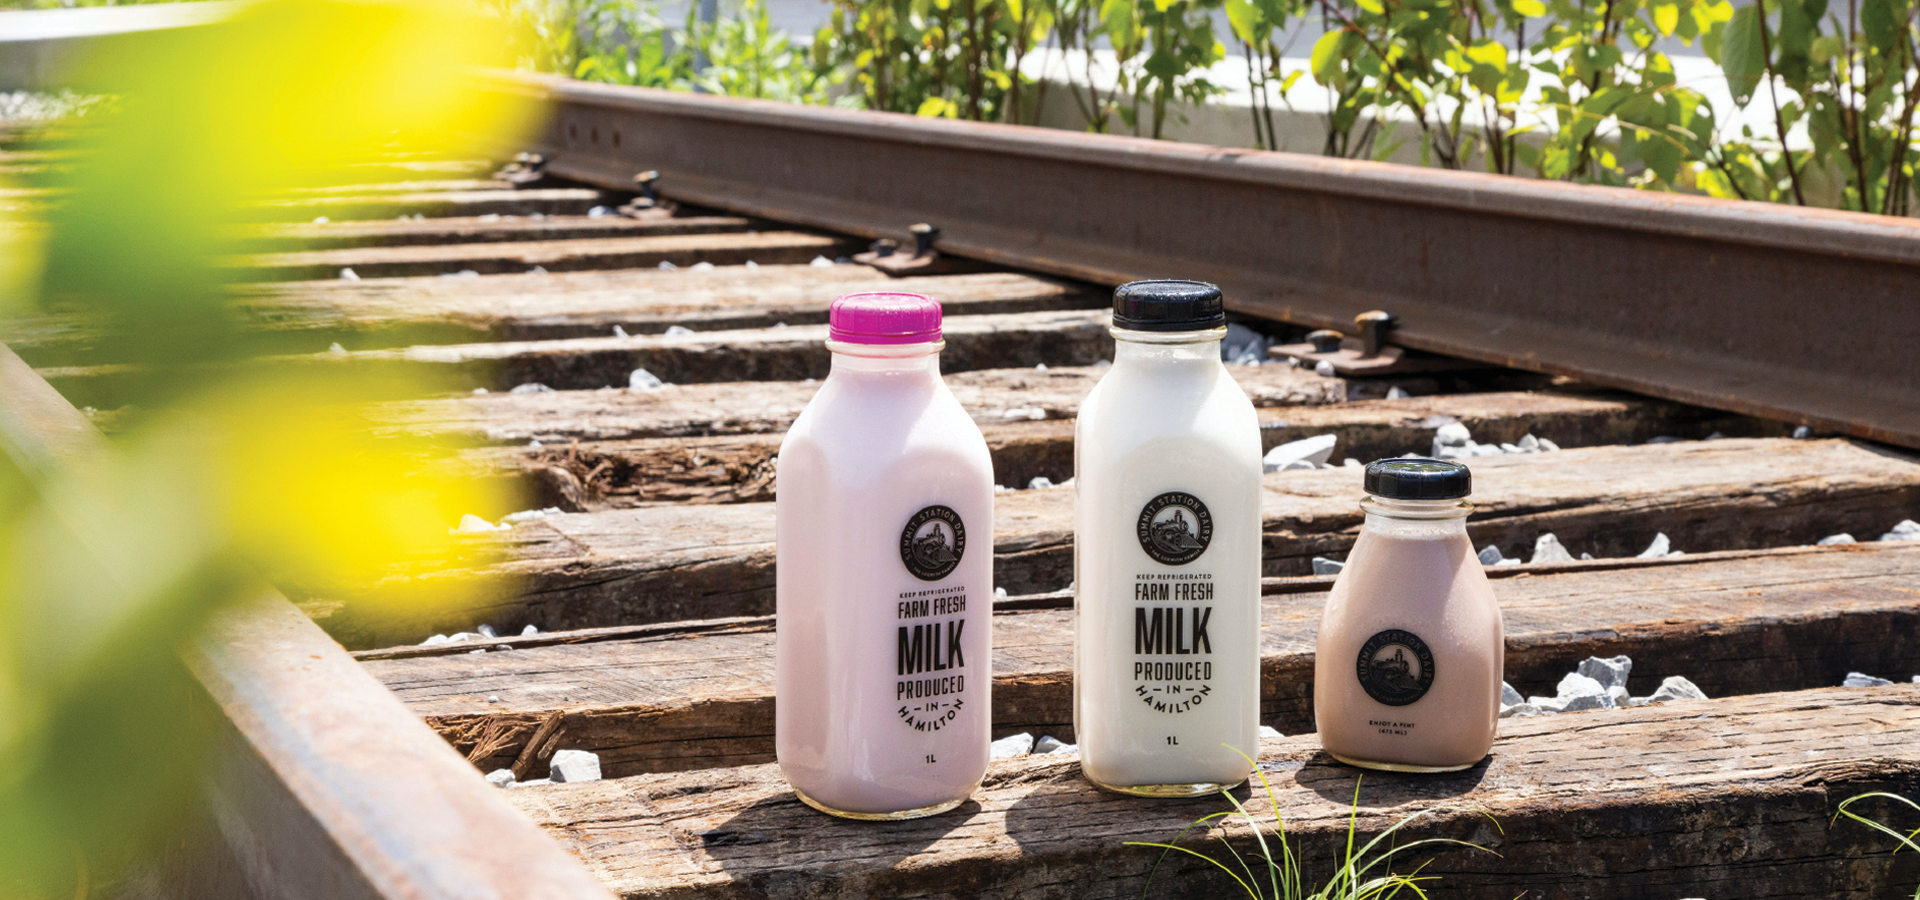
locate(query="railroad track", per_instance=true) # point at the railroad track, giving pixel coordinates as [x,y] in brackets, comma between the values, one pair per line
[653,587]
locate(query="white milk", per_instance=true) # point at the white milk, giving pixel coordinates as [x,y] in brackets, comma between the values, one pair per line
[1167,464]
[885,586]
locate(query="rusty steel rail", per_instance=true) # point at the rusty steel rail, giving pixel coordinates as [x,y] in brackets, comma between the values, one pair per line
[1805,315]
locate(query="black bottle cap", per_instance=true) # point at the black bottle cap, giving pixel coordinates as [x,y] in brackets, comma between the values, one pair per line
[1418,479]
[1168,306]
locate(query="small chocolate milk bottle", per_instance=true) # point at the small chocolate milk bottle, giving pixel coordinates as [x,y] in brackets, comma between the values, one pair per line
[1411,652]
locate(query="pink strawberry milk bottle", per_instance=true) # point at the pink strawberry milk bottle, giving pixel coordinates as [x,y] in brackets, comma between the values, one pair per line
[884,514]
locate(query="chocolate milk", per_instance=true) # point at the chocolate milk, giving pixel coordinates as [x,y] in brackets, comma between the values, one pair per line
[1410,656]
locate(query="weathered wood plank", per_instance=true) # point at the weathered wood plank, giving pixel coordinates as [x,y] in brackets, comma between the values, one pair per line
[669,698]
[503,201]
[475,229]
[748,408]
[301,317]
[320,784]
[518,257]
[409,186]
[671,563]
[1727,798]
[739,469]
[769,354]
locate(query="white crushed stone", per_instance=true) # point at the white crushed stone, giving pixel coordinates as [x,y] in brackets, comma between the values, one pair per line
[666,266]
[1325,566]
[598,212]
[348,274]
[1907,530]
[999,592]
[1490,555]
[1011,746]
[529,631]
[1268,731]
[472,524]
[1547,549]
[1802,433]
[572,766]
[1395,393]
[701,266]
[531,387]
[1243,346]
[643,380]
[528,515]
[1306,453]
[1829,540]
[1858,679]
[821,262]
[1660,547]
[1050,746]
[1323,369]
[1610,673]
[501,778]
[1676,687]
[1038,482]
[486,631]
[620,332]
[677,331]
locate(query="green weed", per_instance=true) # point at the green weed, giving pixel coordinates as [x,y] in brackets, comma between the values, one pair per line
[1285,877]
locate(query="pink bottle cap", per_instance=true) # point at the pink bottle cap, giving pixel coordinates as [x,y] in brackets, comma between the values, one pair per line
[884,317]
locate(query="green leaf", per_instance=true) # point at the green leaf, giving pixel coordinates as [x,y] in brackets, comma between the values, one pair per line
[1881,20]
[1740,56]
[1326,59]
[1244,17]
[1666,17]
[1825,48]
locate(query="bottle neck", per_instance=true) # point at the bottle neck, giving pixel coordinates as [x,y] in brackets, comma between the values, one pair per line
[1416,518]
[887,359]
[1175,348]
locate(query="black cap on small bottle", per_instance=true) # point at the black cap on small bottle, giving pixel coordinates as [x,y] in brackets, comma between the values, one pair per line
[1418,479]
[1168,305]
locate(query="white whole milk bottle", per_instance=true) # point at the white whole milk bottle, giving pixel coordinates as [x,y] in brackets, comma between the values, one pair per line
[884,579]
[1167,553]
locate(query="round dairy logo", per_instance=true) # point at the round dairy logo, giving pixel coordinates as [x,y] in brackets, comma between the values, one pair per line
[1175,528]
[1395,667]
[933,542]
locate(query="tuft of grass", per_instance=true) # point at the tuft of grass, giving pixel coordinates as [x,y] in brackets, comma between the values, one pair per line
[1907,840]
[1284,877]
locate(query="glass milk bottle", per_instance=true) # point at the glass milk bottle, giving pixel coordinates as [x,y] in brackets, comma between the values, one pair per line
[1167,553]
[884,516]
[1411,652]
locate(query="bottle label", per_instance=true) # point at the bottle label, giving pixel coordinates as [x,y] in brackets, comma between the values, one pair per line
[1395,667]
[930,651]
[1172,644]
[933,542]
[1175,528]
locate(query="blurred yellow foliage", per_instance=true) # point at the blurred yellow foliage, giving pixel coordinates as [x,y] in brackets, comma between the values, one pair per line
[236,474]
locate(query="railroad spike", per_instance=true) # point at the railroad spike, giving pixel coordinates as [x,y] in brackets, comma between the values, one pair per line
[1325,340]
[1373,326]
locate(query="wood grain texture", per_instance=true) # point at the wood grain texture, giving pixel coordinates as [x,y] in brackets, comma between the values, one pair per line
[739,469]
[772,354]
[474,229]
[765,354]
[1720,798]
[518,257]
[750,408]
[321,785]
[700,695]
[303,316]
[504,201]
[641,301]
[695,562]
